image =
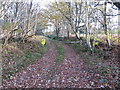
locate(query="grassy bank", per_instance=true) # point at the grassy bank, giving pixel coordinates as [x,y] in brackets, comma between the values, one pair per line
[106,67]
[17,56]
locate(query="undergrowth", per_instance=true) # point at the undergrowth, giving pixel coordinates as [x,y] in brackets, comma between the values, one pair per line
[105,67]
[17,56]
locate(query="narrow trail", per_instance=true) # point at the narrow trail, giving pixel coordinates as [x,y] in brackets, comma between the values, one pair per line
[36,74]
[71,71]
[44,73]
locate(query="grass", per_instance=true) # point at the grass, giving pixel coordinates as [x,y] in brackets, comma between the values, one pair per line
[60,53]
[17,59]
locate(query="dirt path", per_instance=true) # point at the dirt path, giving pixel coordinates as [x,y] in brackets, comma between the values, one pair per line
[45,73]
[36,74]
[71,71]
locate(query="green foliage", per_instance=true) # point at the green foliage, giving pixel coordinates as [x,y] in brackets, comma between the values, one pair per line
[54,12]
[95,43]
[96,38]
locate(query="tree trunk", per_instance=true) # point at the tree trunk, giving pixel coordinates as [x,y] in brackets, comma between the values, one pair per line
[35,26]
[68,32]
[88,30]
[28,18]
[105,25]
[71,22]
[57,30]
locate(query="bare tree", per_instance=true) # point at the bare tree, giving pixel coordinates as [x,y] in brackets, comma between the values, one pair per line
[21,18]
